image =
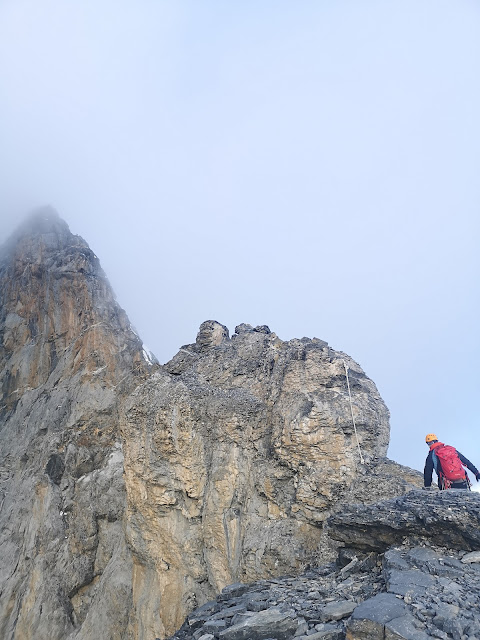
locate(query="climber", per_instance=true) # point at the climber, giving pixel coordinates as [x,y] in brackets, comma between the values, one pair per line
[448,464]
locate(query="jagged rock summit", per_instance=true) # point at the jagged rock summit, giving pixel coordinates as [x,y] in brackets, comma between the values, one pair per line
[130,493]
[58,313]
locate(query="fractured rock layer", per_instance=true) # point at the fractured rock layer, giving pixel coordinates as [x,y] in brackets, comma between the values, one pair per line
[416,590]
[440,515]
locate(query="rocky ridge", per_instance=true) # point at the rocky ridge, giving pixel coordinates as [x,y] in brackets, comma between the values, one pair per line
[131,493]
[411,583]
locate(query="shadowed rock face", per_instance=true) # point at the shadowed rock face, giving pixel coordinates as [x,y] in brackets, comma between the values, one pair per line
[66,354]
[419,583]
[235,453]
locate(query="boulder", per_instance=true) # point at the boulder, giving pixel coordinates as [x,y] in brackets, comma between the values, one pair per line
[272,623]
[446,518]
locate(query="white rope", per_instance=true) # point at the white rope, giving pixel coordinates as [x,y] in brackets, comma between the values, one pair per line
[351,411]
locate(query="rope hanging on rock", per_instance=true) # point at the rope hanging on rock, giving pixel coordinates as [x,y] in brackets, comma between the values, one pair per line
[351,411]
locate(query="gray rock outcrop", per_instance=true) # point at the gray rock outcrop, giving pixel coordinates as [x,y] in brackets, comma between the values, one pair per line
[437,515]
[414,589]
[236,452]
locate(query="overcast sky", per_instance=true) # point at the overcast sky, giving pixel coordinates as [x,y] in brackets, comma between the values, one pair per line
[310,165]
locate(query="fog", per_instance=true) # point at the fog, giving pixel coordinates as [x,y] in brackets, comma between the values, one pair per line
[312,166]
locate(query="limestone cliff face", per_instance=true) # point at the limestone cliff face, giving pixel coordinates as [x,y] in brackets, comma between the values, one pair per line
[235,453]
[67,353]
[129,492]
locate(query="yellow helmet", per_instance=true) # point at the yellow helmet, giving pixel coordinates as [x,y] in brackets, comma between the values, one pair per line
[431,437]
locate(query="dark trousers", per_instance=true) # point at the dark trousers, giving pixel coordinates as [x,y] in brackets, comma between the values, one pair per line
[458,485]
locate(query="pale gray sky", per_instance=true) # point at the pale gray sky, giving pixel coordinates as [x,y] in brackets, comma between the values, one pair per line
[310,165]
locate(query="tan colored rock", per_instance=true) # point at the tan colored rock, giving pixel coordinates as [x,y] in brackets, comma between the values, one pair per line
[235,454]
[67,353]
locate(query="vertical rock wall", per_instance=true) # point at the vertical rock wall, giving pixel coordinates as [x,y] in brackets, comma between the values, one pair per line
[66,354]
